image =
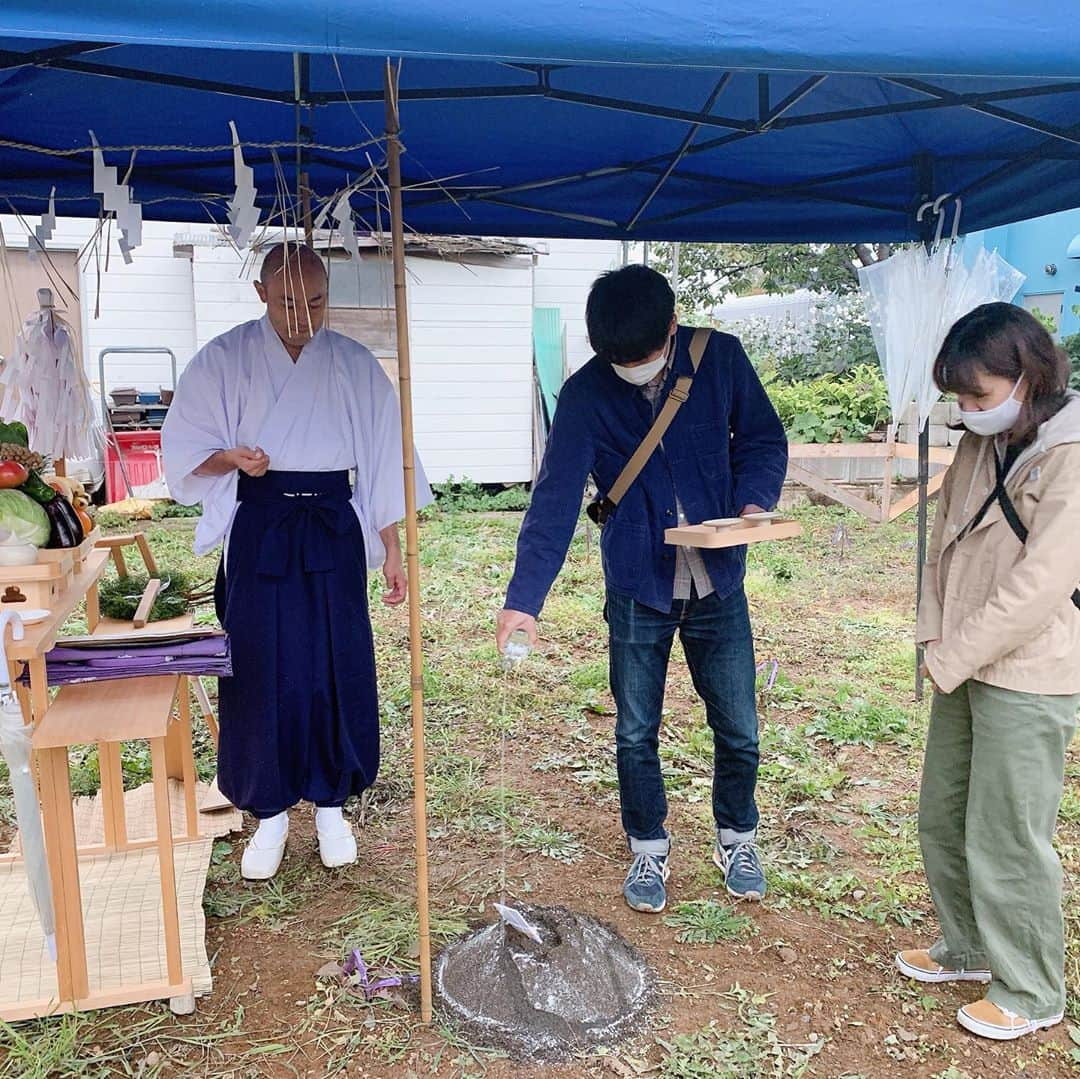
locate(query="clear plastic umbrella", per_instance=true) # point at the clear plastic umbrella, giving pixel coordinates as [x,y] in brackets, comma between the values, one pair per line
[15,747]
[913,298]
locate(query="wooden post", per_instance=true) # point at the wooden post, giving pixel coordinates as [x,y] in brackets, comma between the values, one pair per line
[887,479]
[412,549]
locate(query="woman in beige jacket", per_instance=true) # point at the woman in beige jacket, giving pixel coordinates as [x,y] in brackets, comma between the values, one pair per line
[1002,636]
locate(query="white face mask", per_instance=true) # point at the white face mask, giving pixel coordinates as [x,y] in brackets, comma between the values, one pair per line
[994,421]
[642,373]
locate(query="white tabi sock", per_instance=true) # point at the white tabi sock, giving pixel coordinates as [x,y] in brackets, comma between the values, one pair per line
[272,831]
[330,821]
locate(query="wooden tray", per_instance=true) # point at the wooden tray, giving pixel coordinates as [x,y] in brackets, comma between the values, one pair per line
[78,555]
[732,535]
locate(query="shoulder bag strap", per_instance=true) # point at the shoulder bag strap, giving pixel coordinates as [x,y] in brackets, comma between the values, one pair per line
[1009,510]
[679,393]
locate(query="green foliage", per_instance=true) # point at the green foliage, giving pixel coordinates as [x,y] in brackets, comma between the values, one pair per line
[852,719]
[704,921]
[833,408]
[709,272]
[120,597]
[465,496]
[1071,345]
[162,511]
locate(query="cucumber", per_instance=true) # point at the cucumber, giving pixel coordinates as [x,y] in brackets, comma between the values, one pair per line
[39,490]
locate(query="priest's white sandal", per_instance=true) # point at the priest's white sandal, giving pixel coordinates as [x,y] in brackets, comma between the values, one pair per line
[337,843]
[265,849]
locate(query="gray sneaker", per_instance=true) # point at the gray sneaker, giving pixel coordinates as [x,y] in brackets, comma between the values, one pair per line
[741,865]
[644,886]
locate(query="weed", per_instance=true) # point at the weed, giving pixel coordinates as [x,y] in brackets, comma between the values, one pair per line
[550,841]
[751,1050]
[704,921]
[855,720]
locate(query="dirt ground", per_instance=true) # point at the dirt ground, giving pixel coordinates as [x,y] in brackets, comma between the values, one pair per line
[521,781]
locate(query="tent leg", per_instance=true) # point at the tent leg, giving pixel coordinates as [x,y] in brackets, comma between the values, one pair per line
[924,479]
[416,657]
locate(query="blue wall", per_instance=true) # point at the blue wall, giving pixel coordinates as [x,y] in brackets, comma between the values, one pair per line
[1030,246]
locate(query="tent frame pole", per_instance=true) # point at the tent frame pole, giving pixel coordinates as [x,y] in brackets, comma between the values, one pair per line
[412,549]
[924,174]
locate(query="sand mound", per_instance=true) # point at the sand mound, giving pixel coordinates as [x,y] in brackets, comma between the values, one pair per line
[582,986]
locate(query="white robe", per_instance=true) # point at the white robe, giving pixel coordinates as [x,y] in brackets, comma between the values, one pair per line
[333,409]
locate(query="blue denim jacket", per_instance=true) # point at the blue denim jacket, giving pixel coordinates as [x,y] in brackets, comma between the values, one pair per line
[726,449]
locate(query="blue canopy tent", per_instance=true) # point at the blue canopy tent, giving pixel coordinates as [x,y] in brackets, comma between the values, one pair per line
[676,120]
[687,120]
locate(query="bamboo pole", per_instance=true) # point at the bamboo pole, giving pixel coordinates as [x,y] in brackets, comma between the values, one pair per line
[412,550]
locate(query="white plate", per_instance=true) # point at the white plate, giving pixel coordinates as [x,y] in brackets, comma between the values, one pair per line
[723,522]
[762,518]
[31,618]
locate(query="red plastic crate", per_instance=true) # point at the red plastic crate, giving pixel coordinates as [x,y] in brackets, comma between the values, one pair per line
[142,457]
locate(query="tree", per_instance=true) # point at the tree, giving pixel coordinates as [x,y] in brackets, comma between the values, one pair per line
[709,272]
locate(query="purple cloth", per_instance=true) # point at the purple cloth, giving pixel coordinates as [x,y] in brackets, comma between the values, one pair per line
[92,663]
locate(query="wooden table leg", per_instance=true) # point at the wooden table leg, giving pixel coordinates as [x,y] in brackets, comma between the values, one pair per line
[207,710]
[118,559]
[163,815]
[59,825]
[112,795]
[187,754]
[93,608]
[147,555]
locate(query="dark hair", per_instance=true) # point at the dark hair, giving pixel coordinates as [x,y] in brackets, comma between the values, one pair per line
[1005,340]
[629,314]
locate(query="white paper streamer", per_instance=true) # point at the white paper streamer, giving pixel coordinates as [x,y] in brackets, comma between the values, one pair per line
[116,198]
[243,213]
[342,214]
[44,231]
[516,920]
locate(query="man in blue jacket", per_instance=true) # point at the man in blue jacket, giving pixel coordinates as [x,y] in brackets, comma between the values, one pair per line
[724,455]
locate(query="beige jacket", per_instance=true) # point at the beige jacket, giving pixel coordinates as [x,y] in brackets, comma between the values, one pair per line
[1001,612]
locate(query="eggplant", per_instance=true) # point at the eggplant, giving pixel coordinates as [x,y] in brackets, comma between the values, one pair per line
[66,529]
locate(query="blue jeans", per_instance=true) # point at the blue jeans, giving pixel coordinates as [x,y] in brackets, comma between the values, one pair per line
[719,647]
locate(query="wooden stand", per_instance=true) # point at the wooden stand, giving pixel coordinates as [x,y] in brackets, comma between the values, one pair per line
[108,713]
[735,535]
[887,452]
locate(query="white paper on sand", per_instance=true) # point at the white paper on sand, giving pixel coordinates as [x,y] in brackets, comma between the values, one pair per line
[516,920]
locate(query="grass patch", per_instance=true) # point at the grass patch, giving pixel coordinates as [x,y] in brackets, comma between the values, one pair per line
[752,1049]
[852,719]
[384,928]
[705,921]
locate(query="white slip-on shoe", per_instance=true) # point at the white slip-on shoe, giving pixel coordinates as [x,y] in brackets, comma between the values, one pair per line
[989,1020]
[262,857]
[337,843]
[917,964]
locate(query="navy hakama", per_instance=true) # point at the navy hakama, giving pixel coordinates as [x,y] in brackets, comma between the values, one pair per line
[299,717]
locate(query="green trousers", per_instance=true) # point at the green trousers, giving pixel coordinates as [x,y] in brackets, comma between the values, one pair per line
[991,787]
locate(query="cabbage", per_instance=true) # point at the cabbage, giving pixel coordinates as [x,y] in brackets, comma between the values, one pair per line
[24,518]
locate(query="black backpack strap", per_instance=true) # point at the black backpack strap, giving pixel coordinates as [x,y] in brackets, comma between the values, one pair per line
[1020,530]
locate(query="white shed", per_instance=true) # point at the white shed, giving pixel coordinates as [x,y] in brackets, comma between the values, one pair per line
[471,308]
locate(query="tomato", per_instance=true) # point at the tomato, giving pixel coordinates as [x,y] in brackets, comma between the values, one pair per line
[12,474]
[86,521]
